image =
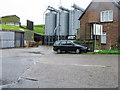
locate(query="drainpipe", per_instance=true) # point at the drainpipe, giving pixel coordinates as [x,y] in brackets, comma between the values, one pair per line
[85,30]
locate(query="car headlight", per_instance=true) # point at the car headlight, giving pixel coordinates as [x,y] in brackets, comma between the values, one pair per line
[88,48]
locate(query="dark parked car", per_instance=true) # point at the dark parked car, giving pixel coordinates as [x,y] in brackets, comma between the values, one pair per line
[69,45]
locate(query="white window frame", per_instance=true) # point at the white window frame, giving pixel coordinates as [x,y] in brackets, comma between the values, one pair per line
[103,38]
[106,16]
[97,29]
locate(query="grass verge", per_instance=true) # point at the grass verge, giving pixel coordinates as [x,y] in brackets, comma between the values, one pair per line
[105,52]
[109,52]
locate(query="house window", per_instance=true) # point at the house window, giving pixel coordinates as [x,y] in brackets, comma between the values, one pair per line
[103,38]
[106,16]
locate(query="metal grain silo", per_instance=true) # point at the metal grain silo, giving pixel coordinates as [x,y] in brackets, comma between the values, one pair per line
[50,23]
[74,23]
[63,29]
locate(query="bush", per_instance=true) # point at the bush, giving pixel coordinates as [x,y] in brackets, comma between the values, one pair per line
[77,42]
[89,42]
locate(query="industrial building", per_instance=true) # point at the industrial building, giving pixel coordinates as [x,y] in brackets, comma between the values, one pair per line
[10,20]
[61,24]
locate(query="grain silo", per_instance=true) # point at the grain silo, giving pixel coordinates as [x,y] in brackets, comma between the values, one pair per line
[74,23]
[63,20]
[50,23]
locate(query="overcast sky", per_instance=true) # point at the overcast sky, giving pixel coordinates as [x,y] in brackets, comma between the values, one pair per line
[33,9]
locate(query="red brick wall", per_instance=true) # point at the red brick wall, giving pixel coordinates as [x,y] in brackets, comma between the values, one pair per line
[111,28]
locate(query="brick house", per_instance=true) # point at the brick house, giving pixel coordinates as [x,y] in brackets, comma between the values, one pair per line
[100,23]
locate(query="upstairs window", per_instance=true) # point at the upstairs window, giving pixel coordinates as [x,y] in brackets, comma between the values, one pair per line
[106,16]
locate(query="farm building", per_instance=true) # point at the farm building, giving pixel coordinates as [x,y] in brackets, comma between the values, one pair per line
[32,38]
[10,20]
[100,25]
[11,39]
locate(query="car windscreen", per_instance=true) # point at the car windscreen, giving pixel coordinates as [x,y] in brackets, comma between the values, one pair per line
[69,43]
[63,43]
[57,43]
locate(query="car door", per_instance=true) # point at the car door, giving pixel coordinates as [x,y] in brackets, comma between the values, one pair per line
[69,46]
[63,46]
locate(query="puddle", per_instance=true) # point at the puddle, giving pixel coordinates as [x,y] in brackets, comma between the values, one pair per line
[3,82]
[31,79]
[36,53]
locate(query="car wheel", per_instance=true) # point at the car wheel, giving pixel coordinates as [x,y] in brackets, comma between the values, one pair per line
[58,51]
[77,51]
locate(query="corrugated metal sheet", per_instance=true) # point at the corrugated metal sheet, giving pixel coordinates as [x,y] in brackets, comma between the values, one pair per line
[17,43]
[7,39]
[7,44]
[11,44]
[19,39]
[7,35]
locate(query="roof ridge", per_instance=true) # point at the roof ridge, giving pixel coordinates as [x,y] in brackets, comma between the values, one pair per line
[114,2]
[9,16]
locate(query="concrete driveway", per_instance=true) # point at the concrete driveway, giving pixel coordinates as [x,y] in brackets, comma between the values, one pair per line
[51,70]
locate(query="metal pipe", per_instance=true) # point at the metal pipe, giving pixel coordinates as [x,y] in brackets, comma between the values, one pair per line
[59,27]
